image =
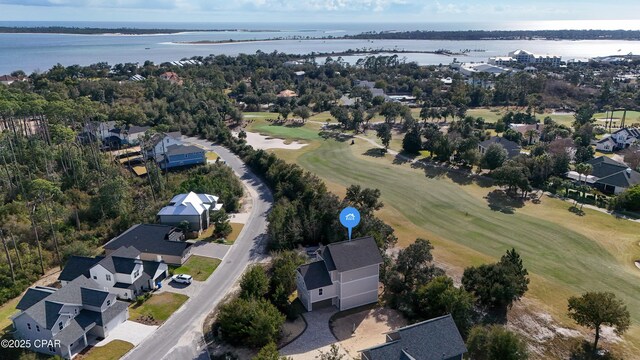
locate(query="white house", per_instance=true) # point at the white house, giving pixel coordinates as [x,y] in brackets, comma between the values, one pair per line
[622,138]
[193,208]
[122,272]
[69,316]
[345,275]
[159,143]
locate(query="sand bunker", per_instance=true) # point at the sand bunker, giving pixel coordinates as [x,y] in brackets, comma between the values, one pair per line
[264,142]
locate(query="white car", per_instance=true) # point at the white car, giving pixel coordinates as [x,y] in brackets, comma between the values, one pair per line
[182,278]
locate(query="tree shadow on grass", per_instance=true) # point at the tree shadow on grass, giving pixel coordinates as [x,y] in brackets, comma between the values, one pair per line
[403,158]
[584,351]
[335,135]
[576,210]
[375,152]
[499,200]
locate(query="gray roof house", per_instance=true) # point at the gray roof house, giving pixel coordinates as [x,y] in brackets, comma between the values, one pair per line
[434,339]
[62,319]
[122,272]
[344,275]
[156,242]
[193,208]
[611,176]
[513,149]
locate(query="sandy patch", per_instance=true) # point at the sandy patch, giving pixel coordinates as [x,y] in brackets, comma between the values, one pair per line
[259,141]
[370,328]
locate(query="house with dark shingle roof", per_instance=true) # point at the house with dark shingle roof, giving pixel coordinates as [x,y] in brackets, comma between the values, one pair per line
[156,242]
[513,149]
[63,319]
[344,275]
[435,339]
[610,176]
[122,272]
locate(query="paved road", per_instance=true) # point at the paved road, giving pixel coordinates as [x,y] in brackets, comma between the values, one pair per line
[180,337]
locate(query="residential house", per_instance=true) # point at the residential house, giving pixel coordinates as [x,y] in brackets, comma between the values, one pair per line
[372,88]
[472,69]
[8,79]
[608,175]
[68,316]
[158,144]
[345,275]
[193,208]
[513,149]
[524,129]
[287,94]
[526,57]
[122,272]
[181,155]
[620,139]
[156,242]
[172,77]
[435,339]
[111,135]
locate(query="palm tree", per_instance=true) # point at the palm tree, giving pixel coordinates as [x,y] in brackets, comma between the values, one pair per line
[586,170]
[530,134]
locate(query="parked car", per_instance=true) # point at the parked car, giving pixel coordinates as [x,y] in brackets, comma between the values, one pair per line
[182,278]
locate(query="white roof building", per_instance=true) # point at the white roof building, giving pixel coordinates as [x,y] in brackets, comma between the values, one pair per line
[193,208]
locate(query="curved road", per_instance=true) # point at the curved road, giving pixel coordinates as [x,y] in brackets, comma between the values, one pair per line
[180,337]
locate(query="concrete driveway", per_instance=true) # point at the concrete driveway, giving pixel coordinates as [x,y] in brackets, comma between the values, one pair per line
[210,249]
[317,337]
[129,331]
[190,290]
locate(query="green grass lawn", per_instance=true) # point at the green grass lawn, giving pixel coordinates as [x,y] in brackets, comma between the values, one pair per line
[6,310]
[289,131]
[631,117]
[159,306]
[565,254]
[199,267]
[492,115]
[114,350]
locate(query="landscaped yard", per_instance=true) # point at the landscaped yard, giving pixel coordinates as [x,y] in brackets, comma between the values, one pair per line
[159,307]
[565,254]
[112,351]
[199,267]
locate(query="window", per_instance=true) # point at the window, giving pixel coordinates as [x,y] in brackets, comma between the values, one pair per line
[60,326]
[95,277]
[38,328]
[29,326]
[136,273]
[108,302]
[108,277]
[75,310]
[320,292]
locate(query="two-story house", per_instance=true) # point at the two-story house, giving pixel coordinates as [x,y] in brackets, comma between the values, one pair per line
[345,275]
[156,242]
[193,208]
[62,319]
[434,339]
[618,140]
[158,144]
[122,272]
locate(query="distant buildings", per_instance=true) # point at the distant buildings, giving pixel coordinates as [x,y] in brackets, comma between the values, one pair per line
[171,77]
[8,79]
[620,139]
[525,57]
[513,149]
[287,94]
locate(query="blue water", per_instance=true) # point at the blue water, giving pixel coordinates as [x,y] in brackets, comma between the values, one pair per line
[38,52]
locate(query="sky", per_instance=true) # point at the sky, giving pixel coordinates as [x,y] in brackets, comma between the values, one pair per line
[301,11]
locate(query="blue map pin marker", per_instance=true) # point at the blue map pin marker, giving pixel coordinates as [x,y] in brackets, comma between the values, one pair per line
[350,218]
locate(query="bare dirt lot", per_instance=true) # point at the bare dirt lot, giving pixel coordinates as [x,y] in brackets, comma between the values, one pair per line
[370,328]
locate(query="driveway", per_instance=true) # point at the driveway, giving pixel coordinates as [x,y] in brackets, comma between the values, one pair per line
[184,328]
[129,331]
[190,290]
[210,249]
[315,338]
